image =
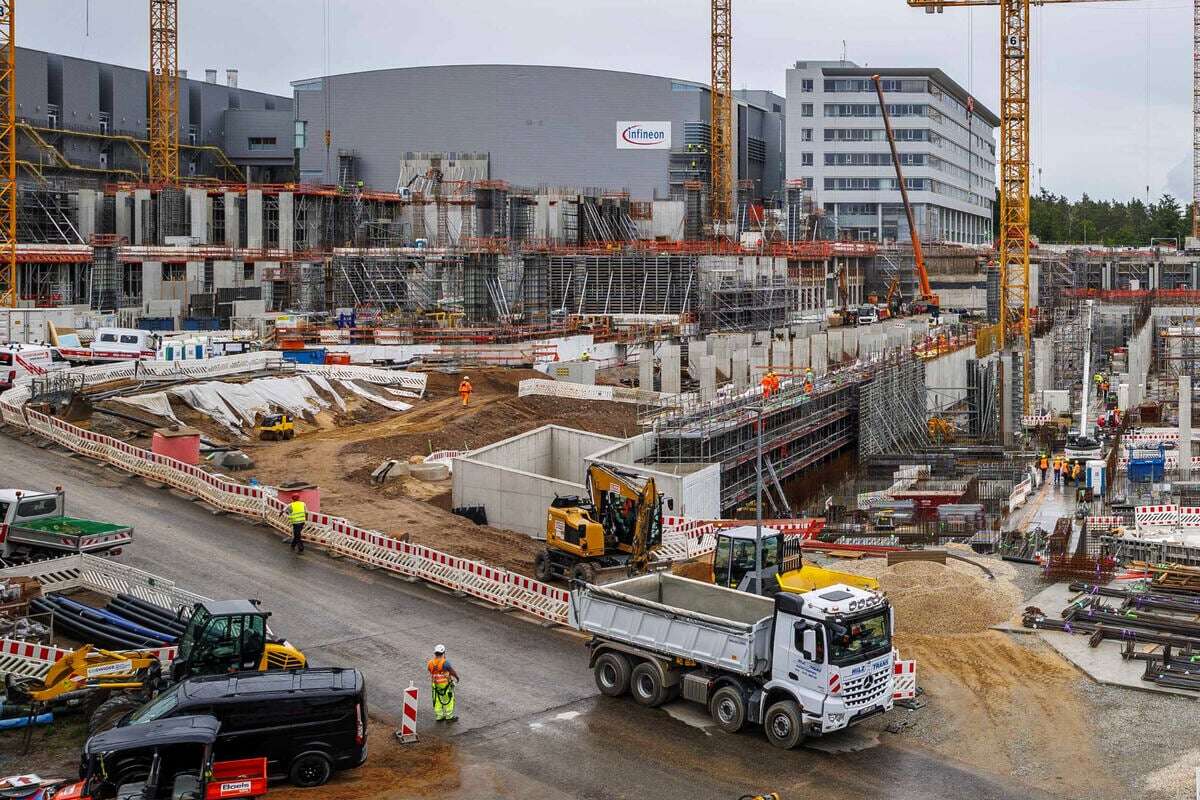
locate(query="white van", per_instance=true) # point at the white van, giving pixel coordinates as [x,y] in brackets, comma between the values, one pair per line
[115,344]
[24,360]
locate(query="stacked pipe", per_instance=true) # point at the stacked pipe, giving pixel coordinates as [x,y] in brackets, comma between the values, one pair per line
[126,623]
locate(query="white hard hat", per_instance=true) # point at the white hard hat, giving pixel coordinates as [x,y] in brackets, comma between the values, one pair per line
[439,650]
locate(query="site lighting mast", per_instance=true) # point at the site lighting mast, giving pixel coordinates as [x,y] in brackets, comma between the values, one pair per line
[1013,247]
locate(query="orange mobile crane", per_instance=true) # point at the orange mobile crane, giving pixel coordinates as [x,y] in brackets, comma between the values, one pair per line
[927,295]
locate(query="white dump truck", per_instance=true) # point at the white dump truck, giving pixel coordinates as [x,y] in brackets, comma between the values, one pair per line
[798,664]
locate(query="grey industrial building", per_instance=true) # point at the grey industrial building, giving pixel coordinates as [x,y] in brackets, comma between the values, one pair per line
[88,119]
[527,125]
[838,151]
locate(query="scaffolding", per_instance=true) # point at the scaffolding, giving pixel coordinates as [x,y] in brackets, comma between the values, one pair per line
[630,282]
[892,410]
[107,279]
[746,293]
[171,215]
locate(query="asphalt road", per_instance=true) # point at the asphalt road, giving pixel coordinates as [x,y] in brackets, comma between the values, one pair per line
[532,723]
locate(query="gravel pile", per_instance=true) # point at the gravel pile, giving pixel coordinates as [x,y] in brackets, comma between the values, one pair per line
[945,598]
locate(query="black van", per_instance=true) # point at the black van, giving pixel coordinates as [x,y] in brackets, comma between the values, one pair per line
[306,722]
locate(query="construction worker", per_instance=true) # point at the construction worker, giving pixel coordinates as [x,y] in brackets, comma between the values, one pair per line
[464,390]
[1056,466]
[1044,464]
[769,384]
[297,515]
[1076,472]
[443,677]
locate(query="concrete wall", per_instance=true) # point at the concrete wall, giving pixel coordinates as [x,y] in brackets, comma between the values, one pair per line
[693,489]
[516,479]
[946,379]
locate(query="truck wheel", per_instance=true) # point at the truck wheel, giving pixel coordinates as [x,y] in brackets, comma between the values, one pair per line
[727,707]
[784,725]
[109,713]
[612,674]
[541,567]
[646,686]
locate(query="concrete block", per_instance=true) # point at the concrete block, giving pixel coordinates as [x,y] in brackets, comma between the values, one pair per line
[758,362]
[708,377]
[232,220]
[197,200]
[741,374]
[151,281]
[254,219]
[85,219]
[834,351]
[819,357]
[124,226]
[287,236]
[850,342]
[141,216]
[225,274]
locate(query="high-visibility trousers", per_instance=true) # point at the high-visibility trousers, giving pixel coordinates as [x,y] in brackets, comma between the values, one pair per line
[443,701]
[465,397]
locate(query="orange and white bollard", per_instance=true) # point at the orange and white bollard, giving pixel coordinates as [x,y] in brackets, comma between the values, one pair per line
[408,722]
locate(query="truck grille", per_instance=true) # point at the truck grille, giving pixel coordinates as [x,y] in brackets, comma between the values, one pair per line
[865,690]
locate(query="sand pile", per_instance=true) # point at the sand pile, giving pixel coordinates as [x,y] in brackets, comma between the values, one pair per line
[950,598]
[1175,781]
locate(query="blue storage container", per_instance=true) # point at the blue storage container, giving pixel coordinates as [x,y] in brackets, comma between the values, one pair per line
[201,324]
[311,355]
[156,323]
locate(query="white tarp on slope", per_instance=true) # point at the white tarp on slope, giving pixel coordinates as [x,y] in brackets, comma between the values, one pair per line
[394,405]
[238,405]
[324,386]
[155,403]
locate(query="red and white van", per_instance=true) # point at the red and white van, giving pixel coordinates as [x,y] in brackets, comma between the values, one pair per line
[113,344]
[23,360]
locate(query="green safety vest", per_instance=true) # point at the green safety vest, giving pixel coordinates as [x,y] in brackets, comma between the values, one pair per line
[297,512]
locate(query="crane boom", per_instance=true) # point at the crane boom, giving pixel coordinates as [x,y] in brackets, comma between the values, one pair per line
[922,274]
[721,117]
[164,91]
[8,157]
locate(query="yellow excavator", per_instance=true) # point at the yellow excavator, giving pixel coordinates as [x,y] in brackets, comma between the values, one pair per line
[783,567]
[614,528]
[221,636]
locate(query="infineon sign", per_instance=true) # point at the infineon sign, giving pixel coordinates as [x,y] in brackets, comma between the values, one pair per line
[643,135]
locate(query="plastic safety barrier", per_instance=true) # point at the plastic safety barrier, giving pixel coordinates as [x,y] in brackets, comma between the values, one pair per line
[904,681]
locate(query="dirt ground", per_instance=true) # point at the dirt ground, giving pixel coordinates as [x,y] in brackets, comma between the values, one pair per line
[53,749]
[340,455]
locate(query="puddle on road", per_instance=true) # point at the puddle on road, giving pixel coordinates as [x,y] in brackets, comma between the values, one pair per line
[848,741]
[690,714]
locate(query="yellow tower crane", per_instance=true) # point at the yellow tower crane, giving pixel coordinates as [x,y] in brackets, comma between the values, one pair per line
[8,156]
[164,91]
[1013,247]
[721,117]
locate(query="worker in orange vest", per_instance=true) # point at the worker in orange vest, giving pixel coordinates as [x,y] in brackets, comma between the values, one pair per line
[464,390]
[443,677]
[1044,464]
[770,384]
[1058,468]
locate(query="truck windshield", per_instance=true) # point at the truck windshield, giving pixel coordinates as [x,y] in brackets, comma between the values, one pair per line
[857,640]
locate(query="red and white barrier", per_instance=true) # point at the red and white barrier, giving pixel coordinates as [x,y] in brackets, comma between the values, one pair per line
[904,682]
[1104,522]
[408,719]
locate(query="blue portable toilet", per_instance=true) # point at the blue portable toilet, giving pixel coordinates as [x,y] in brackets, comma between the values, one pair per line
[1096,472]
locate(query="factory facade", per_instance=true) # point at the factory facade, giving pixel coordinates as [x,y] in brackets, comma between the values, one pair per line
[837,150]
[534,126]
[88,119]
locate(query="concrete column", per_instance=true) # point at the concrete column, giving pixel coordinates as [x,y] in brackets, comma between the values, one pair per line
[151,281]
[834,351]
[850,342]
[800,354]
[646,368]
[225,275]
[740,369]
[696,349]
[759,354]
[671,379]
[819,357]
[781,355]
[287,220]
[85,221]
[1042,365]
[198,205]
[254,219]
[708,377]
[1185,427]
[121,216]
[141,214]
[1123,397]
[233,233]
[720,351]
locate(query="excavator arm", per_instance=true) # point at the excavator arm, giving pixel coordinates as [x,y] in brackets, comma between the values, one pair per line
[85,669]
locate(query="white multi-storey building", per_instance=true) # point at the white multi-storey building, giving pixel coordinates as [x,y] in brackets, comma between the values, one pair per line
[837,148]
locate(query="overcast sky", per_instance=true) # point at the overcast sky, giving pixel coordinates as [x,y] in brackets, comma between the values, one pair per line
[1111,96]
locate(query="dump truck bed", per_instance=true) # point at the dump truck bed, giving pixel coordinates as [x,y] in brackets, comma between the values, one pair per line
[69,534]
[680,617]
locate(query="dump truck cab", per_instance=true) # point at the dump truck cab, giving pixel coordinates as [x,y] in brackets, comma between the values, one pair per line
[230,636]
[169,759]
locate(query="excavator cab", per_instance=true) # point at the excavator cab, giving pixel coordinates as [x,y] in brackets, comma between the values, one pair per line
[230,636]
[783,567]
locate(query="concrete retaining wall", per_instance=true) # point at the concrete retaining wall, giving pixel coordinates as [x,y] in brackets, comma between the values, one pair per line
[693,489]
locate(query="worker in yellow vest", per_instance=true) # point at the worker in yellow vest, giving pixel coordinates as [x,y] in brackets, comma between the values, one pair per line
[297,515]
[443,677]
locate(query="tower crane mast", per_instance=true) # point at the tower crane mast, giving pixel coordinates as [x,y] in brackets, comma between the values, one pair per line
[164,91]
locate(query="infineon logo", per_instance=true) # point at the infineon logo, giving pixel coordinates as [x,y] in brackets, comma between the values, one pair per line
[634,135]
